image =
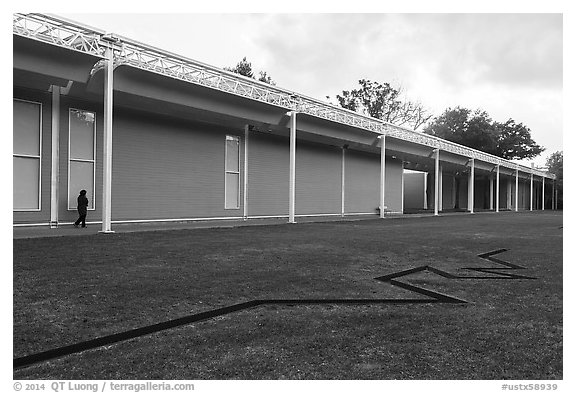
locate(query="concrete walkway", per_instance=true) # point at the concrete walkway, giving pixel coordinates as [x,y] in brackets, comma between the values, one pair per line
[95,227]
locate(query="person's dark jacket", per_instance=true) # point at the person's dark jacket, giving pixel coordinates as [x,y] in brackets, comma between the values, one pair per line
[82,204]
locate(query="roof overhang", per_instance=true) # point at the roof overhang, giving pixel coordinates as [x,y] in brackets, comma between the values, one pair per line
[50,61]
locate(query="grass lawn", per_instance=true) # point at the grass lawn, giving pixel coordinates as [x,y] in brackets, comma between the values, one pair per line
[72,289]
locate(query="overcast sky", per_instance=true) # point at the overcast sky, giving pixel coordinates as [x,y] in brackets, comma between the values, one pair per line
[509,65]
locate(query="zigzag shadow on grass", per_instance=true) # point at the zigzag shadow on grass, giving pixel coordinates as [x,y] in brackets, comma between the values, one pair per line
[150,329]
[432,297]
[496,273]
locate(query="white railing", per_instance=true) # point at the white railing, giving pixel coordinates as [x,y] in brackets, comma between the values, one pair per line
[58,32]
[73,36]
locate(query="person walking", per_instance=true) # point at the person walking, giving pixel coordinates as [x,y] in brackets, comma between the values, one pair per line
[82,209]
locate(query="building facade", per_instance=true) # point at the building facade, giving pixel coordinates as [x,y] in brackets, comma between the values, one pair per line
[153,136]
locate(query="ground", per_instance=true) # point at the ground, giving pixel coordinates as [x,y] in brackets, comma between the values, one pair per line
[72,289]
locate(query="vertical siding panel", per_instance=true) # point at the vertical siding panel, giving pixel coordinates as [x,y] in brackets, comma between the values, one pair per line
[393,189]
[479,193]
[318,179]
[268,175]
[503,192]
[526,195]
[164,168]
[463,195]
[362,182]
[414,190]
[447,188]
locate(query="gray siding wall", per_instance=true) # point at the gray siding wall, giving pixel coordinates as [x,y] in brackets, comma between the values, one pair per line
[463,193]
[524,194]
[393,190]
[521,196]
[503,205]
[362,186]
[537,193]
[42,216]
[318,179]
[268,174]
[480,193]
[163,168]
[414,190]
[447,191]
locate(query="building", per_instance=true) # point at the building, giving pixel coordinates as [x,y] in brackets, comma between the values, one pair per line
[153,136]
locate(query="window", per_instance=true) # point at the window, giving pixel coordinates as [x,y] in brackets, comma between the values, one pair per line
[81,156]
[27,151]
[232,173]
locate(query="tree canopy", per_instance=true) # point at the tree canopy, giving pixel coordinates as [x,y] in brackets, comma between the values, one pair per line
[515,142]
[382,101]
[555,165]
[244,67]
[509,140]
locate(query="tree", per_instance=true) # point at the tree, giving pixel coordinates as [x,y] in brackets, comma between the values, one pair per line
[555,165]
[509,140]
[244,67]
[462,126]
[264,77]
[467,128]
[515,141]
[382,101]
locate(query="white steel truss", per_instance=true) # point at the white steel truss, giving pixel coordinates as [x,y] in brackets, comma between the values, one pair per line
[60,32]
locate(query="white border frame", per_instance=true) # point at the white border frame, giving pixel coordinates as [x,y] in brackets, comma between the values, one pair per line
[39,157]
[80,160]
[226,171]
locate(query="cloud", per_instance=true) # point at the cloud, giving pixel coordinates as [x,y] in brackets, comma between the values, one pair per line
[503,49]
[459,49]
[507,64]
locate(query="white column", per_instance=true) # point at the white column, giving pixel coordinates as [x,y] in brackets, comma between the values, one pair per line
[245,201]
[508,192]
[343,182]
[107,176]
[471,188]
[531,191]
[491,191]
[382,174]
[292,188]
[436,182]
[516,199]
[402,191]
[55,172]
[497,188]
[425,190]
[543,184]
[440,190]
